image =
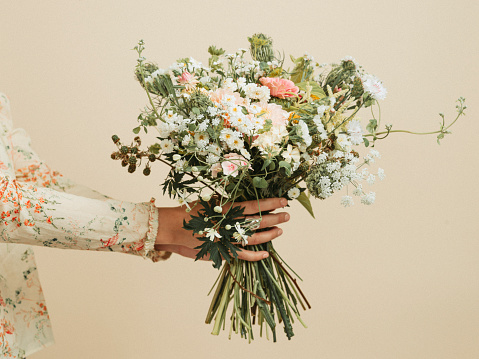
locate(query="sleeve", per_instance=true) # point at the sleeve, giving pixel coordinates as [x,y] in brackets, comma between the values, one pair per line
[45,217]
[85,218]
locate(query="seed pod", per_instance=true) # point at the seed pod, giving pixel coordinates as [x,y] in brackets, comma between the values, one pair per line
[152,157]
[317,138]
[124,162]
[131,168]
[132,160]
[114,156]
[124,149]
[134,150]
[115,138]
[146,171]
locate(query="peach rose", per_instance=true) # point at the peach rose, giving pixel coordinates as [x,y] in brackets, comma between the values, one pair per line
[281,88]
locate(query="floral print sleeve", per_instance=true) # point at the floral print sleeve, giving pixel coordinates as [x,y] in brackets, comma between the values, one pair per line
[46,217]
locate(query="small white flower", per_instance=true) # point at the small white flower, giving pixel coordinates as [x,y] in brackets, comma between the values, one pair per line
[358,191]
[166,146]
[381,174]
[347,201]
[240,234]
[294,193]
[176,157]
[369,198]
[212,233]
[371,179]
[374,87]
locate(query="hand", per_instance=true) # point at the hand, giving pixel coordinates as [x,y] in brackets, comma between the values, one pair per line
[173,238]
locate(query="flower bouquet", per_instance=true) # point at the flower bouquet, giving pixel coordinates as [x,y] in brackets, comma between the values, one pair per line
[243,129]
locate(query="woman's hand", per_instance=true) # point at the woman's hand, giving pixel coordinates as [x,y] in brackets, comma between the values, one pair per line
[173,238]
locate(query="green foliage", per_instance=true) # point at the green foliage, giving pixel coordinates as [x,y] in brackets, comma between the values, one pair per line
[304,200]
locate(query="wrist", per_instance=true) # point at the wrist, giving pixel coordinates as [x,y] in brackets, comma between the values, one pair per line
[168,225]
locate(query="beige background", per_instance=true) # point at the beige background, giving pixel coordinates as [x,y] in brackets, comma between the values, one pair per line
[399,279]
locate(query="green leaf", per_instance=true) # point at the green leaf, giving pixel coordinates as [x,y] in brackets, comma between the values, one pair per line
[155,148]
[286,166]
[366,142]
[316,91]
[195,110]
[304,200]
[136,130]
[260,182]
[372,126]
[265,164]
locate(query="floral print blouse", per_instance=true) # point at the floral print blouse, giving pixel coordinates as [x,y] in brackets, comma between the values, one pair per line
[40,207]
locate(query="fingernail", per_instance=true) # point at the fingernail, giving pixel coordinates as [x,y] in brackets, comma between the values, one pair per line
[286,217]
[284,202]
[280,232]
[266,255]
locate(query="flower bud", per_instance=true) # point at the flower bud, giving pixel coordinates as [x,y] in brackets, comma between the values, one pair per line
[194,169]
[206,197]
[218,209]
[227,227]
[200,178]
[176,157]
[115,138]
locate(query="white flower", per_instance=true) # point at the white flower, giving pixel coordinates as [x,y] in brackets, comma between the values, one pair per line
[166,146]
[358,191]
[347,201]
[216,121]
[371,179]
[240,234]
[229,84]
[186,140]
[304,132]
[201,139]
[368,198]
[176,157]
[212,233]
[374,153]
[294,193]
[374,87]
[291,154]
[211,158]
[179,165]
[241,82]
[321,110]
[381,174]
[355,132]
[256,92]
[203,126]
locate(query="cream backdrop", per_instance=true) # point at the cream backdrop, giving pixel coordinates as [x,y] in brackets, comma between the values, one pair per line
[399,279]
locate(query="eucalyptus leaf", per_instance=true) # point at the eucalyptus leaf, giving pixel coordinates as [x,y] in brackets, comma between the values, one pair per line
[260,182]
[304,200]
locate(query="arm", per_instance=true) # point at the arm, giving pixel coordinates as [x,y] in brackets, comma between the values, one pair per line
[43,216]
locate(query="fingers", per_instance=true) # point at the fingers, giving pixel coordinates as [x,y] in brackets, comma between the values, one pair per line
[273,219]
[252,256]
[263,205]
[266,236]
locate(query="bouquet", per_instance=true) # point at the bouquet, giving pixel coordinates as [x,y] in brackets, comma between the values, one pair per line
[247,127]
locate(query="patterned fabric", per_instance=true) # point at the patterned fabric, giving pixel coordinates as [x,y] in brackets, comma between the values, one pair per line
[40,207]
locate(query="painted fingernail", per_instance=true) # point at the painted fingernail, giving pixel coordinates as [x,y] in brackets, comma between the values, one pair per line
[266,255]
[286,217]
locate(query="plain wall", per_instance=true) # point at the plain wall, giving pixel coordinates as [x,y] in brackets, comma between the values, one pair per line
[399,279]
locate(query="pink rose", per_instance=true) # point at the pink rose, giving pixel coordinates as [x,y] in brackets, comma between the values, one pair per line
[230,168]
[281,88]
